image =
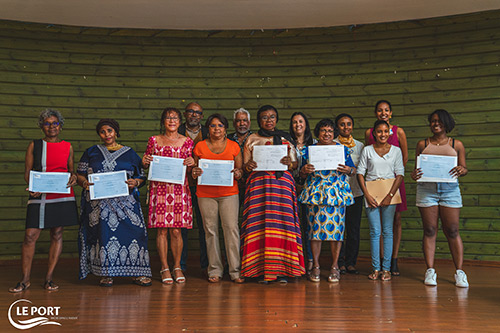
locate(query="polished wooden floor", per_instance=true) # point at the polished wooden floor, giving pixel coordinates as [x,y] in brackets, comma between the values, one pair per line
[355,304]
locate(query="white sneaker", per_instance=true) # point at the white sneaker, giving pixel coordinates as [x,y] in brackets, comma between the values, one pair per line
[430,277]
[461,279]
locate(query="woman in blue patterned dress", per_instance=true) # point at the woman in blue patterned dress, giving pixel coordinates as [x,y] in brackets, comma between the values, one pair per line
[113,240]
[327,193]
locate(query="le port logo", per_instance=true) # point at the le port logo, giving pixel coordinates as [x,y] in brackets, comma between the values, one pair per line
[24,315]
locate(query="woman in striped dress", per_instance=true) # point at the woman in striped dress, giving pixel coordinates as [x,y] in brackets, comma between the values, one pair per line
[271,239]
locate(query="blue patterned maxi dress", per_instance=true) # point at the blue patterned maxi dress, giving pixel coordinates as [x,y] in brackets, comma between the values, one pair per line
[113,239]
[327,193]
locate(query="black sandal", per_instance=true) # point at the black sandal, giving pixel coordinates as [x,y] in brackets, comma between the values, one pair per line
[20,287]
[49,285]
[394,267]
[106,282]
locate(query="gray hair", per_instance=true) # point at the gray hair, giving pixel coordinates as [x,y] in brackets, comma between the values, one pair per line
[241,110]
[50,113]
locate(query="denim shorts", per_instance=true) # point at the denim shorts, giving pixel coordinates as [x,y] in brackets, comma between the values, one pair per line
[439,194]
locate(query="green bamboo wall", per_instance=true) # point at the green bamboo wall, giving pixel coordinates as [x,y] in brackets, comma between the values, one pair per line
[131,75]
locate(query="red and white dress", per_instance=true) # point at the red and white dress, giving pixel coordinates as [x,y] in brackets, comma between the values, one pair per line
[51,210]
[170,204]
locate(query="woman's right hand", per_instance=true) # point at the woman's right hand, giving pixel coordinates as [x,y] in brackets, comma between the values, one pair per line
[86,184]
[416,174]
[371,201]
[250,166]
[34,194]
[146,160]
[196,172]
[307,169]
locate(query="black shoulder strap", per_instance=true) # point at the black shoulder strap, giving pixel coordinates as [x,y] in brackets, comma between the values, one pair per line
[37,154]
[425,142]
[453,143]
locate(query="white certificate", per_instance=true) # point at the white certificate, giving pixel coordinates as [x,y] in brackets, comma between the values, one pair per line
[436,168]
[216,172]
[49,182]
[326,157]
[167,170]
[108,185]
[268,157]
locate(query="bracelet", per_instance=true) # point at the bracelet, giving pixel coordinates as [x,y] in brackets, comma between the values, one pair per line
[137,182]
[392,195]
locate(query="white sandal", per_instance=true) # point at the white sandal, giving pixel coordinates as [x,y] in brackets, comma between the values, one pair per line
[168,280]
[180,279]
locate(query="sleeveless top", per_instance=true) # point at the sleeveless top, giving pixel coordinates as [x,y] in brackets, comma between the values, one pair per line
[447,149]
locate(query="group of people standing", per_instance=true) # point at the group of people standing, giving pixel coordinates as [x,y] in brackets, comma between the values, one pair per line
[286,214]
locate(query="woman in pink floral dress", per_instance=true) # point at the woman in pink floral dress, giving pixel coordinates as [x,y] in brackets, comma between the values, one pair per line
[170,206]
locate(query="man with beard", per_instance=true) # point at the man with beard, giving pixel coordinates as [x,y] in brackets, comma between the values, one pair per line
[197,132]
[241,123]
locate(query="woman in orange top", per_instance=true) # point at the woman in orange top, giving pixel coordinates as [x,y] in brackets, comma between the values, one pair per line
[215,201]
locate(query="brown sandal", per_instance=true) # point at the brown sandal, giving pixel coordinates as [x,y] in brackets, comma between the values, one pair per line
[239,280]
[20,286]
[50,286]
[214,279]
[374,275]
[334,276]
[385,276]
[315,274]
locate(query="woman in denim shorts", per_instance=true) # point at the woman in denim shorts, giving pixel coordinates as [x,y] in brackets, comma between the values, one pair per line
[441,200]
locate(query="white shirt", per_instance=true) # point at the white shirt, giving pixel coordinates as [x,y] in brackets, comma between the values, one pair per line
[355,153]
[381,167]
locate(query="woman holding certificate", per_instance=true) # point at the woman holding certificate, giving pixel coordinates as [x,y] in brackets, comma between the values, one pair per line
[327,193]
[113,239]
[381,169]
[217,193]
[47,210]
[170,207]
[302,138]
[397,137]
[271,242]
[441,199]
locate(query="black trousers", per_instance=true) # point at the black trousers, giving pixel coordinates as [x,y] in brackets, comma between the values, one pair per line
[350,247]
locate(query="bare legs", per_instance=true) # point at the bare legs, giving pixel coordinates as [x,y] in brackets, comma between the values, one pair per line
[450,221]
[176,246]
[335,247]
[31,235]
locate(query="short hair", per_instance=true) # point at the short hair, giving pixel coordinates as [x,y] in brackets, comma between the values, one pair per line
[111,123]
[308,140]
[241,110]
[266,107]
[325,122]
[164,116]
[218,116]
[47,113]
[377,123]
[342,115]
[193,103]
[445,117]
[383,101]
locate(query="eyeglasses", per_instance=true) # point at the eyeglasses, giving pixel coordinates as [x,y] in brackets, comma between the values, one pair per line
[265,118]
[218,125]
[172,118]
[47,124]
[194,112]
[324,130]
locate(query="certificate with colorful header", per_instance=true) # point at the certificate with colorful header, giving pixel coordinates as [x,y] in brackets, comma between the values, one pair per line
[49,182]
[268,157]
[216,172]
[108,185]
[436,168]
[326,157]
[167,170]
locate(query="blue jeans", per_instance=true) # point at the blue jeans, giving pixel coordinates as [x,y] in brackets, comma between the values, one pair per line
[381,220]
[201,234]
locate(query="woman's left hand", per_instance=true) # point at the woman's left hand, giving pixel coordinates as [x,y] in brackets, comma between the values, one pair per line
[458,171]
[72,181]
[131,182]
[196,172]
[286,161]
[387,200]
[238,173]
[189,161]
[344,169]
